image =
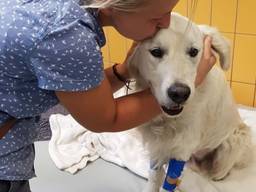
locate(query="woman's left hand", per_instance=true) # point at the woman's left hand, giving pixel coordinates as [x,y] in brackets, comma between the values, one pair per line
[207,61]
[123,67]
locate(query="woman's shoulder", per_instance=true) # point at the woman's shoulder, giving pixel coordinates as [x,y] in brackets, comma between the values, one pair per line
[28,22]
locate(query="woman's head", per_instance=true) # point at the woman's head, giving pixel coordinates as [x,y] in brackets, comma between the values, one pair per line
[135,19]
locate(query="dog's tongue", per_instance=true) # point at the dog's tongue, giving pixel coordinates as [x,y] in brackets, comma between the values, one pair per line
[172,111]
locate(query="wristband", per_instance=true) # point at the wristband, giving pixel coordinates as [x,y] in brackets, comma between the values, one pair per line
[120,77]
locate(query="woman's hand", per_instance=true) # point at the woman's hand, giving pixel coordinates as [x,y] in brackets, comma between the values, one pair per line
[207,61]
[122,69]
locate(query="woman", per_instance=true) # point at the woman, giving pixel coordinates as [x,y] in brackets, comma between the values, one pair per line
[50,53]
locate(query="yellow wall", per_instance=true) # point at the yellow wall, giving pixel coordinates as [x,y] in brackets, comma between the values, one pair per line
[235,19]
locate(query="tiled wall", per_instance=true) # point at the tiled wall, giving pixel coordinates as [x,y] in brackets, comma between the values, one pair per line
[236,19]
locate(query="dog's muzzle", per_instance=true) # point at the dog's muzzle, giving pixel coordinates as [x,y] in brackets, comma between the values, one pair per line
[178,93]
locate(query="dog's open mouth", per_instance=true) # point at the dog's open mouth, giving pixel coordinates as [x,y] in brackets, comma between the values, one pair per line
[173,110]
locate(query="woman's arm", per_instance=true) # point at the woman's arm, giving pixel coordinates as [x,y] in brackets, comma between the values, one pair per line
[98,111]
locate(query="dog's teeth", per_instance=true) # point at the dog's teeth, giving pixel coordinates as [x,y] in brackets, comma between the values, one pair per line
[175,107]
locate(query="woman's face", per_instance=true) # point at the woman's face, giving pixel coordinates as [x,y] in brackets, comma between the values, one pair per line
[144,22]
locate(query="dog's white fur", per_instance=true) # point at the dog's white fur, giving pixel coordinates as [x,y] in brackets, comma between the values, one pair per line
[208,132]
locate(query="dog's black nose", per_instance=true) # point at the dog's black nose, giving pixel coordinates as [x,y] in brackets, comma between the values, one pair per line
[178,92]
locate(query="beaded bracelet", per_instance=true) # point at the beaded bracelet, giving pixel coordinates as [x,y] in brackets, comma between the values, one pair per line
[120,77]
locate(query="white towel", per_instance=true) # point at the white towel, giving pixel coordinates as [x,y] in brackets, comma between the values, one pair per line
[72,147]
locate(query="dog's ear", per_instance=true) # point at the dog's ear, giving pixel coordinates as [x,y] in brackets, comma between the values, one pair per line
[219,44]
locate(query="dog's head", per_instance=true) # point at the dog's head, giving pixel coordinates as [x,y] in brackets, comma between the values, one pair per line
[168,62]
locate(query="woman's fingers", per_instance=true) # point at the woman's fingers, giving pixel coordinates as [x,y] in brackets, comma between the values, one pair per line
[207,61]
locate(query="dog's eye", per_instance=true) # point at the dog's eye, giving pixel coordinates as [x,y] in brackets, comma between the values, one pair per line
[157,52]
[193,52]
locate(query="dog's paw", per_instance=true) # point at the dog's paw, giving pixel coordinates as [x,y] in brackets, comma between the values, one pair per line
[219,175]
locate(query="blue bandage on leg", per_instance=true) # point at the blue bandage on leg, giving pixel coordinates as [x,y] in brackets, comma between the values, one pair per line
[174,171]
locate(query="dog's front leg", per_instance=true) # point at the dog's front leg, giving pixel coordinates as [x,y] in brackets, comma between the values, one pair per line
[155,179]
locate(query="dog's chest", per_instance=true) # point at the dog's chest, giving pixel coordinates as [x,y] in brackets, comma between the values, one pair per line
[171,137]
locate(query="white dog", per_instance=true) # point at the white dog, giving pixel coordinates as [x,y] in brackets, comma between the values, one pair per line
[198,124]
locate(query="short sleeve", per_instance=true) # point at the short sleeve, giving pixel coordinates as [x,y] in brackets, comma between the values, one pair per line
[68,59]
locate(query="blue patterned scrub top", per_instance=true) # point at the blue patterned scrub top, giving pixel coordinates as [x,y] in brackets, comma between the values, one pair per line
[45,45]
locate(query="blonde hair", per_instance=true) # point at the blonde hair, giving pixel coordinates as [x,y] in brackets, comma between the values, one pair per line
[122,5]
[127,5]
